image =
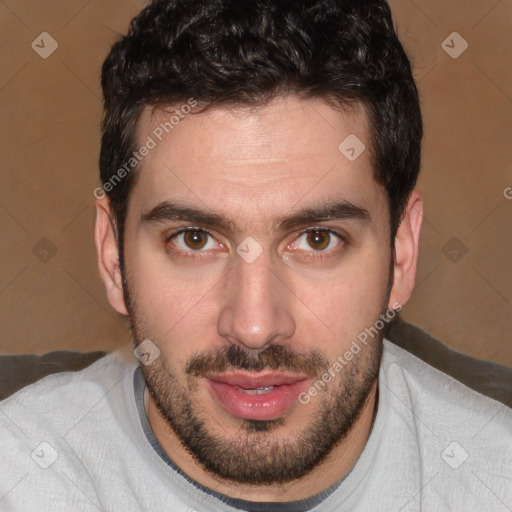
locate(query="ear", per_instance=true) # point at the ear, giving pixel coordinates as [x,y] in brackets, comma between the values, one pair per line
[107,251]
[407,242]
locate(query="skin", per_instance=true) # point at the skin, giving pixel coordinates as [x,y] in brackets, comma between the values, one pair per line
[255,166]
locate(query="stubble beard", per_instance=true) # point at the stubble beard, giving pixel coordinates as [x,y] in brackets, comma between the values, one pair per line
[256,453]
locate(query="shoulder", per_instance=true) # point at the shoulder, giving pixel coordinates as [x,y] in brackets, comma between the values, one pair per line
[447,416]
[486,377]
[432,389]
[457,436]
[98,375]
[59,429]
[57,401]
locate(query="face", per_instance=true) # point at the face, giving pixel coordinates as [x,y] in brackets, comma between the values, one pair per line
[255,253]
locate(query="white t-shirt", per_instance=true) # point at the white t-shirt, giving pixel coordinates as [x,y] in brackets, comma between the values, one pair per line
[80,441]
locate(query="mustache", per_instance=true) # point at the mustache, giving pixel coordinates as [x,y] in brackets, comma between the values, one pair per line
[274,357]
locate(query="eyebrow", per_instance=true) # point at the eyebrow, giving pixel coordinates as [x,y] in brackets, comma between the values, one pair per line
[334,210]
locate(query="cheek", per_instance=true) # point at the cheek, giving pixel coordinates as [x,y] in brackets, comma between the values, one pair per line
[349,303]
[173,305]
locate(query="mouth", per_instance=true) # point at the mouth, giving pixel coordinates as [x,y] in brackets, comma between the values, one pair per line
[257,396]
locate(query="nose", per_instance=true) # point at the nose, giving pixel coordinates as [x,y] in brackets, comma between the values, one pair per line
[256,309]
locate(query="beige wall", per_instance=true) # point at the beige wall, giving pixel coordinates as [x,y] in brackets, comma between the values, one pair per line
[50,294]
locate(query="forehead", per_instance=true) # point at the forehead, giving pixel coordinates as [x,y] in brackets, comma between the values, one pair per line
[256,163]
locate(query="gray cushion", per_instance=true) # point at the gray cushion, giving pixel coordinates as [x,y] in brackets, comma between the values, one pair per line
[17,371]
[488,378]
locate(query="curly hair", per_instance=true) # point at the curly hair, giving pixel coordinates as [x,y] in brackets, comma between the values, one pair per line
[234,53]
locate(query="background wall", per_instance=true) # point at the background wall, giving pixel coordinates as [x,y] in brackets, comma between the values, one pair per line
[51,296]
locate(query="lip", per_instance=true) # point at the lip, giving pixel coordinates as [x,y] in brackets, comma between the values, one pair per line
[224,389]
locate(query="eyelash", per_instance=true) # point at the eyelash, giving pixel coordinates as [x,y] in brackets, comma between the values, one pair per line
[313,254]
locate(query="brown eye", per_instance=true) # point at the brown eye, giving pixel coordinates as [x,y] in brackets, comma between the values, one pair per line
[318,240]
[195,239]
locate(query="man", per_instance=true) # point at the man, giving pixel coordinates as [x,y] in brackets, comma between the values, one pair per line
[258,223]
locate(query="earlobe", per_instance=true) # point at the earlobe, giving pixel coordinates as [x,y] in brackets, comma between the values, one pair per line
[406,251]
[108,255]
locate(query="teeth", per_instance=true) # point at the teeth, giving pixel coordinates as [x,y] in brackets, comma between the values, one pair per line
[257,391]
